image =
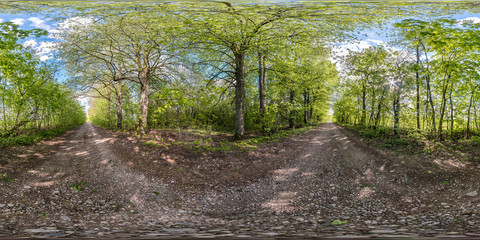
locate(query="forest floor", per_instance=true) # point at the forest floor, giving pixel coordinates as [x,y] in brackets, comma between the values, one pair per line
[325,182]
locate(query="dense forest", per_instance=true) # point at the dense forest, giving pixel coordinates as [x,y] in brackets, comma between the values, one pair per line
[245,68]
[430,84]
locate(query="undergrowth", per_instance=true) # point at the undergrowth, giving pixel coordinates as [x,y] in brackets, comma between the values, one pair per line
[206,144]
[24,139]
[415,141]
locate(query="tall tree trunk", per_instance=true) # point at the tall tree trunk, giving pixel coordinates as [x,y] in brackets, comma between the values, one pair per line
[475,116]
[310,113]
[262,80]
[442,113]
[443,107]
[372,106]
[417,78]
[396,113]
[364,104]
[468,112]
[379,109]
[144,101]
[109,108]
[291,119]
[430,100]
[451,112]
[239,95]
[119,104]
[306,104]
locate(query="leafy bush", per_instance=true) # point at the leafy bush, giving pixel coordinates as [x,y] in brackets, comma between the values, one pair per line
[397,142]
[369,133]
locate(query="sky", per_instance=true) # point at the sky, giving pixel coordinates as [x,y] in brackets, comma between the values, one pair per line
[44,46]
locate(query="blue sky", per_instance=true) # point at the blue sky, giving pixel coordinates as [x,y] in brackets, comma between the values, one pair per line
[42,45]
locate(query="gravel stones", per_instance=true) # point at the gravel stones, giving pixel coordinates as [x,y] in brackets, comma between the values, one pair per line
[472,194]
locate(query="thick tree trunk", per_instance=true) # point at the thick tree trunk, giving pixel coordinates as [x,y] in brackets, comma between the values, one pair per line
[109,108]
[119,104]
[291,119]
[144,101]
[262,79]
[239,95]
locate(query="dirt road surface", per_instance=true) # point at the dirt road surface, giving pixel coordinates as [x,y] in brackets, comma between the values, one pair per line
[333,184]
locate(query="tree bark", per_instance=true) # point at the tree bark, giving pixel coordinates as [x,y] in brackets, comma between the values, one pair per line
[443,107]
[291,119]
[239,95]
[396,110]
[119,104]
[475,116]
[430,100]
[144,101]
[468,112]
[372,106]
[379,110]
[262,79]
[417,78]
[306,103]
[451,112]
[364,104]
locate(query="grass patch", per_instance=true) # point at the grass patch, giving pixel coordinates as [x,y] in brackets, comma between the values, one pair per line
[80,186]
[338,222]
[3,177]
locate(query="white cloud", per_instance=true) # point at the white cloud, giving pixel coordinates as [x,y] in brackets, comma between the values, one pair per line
[45,50]
[40,23]
[71,22]
[45,47]
[472,19]
[18,21]
[1,20]
[30,43]
[376,41]
[44,58]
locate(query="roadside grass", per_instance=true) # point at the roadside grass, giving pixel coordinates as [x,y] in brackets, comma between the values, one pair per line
[412,141]
[205,141]
[28,139]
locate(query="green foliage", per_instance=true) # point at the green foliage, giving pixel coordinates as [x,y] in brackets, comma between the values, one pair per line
[433,88]
[79,186]
[338,222]
[3,177]
[30,98]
